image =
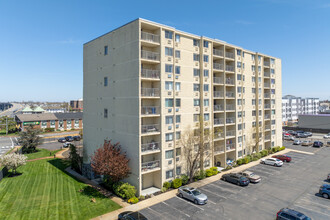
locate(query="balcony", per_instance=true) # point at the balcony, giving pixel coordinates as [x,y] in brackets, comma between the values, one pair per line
[267,116]
[218,66]
[218,135]
[217,80]
[267,106]
[150,37]
[149,55]
[266,85]
[230,133]
[267,127]
[230,120]
[266,64]
[219,150]
[218,108]
[150,147]
[150,92]
[150,74]
[150,110]
[218,121]
[217,52]
[145,129]
[267,95]
[230,55]
[152,165]
[267,138]
[230,68]
[230,147]
[218,94]
[266,74]
[230,95]
[230,81]
[230,107]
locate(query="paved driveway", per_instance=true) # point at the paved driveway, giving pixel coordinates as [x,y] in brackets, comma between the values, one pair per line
[294,185]
[6,144]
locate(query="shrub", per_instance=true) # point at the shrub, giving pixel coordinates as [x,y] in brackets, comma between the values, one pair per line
[208,173]
[124,190]
[184,179]
[167,185]
[164,189]
[246,160]
[200,175]
[142,198]
[133,200]
[282,148]
[214,170]
[49,129]
[176,183]
[239,162]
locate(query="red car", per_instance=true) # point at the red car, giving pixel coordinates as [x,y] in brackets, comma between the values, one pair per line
[283,157]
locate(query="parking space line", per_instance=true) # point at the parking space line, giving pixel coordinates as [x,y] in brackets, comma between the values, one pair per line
[213,193]
[310,201]
[153,211]
[303,207]
[224,189]
[191,203]
[176,209]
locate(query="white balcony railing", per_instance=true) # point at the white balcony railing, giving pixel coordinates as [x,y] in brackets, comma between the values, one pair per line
[217,52]
[217,80]
[151,74]
[266,74]
[218,135]
[150,165]
[218,108]
[218,66]
[150,110]
[266,85]
[218,149]
[153,146]
[218,121]
[150,37]
[230,120]
[267,138]
[266,64]
[149,128]
[230,81]
[150,92]
[149,55]
[218,94]
[267,95]
[230,55]
[230,133]
[230,68]
[230,94]
[267,106]
[230,107]
[230,146]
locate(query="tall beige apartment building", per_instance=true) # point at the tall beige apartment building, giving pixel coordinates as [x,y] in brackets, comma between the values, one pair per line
[146,84]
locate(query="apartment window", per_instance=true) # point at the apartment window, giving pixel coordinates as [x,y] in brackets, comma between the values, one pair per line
[177,86]
[196,87]
[253,68]
[177,69]
[168,51]
[253,90]
[239,52]
[273,101]
[239,101]
[273,132]
[169,86]
[105,50]
[273,91]
[239,64]
[259,68]
[206,117]
[253,57]
[206,58]
[168,102]
[243,89]
[105,81]
[243,53]
[196,42]
[243,64]
[178,151]
[206,87]
[254,113]
[177,102]
[239,77]
[259,101]
[196,72]
[169,120]
[196,57]
[272,71]
[178,135]
[169,174]
[177,38]
[206,102]
[178,170]
[253,102]
[168,68]
[259,58]
[178,118]
[273,112]
[169,34]
[239,127]
[259,79]
[253,79]
[105,113]
[273,122]
[272,61]
[272,81]
[254,124]
[239,89]
[206,73]
[273,143]
[259,91]
[196,102]
[177,54]
[206,44]
[260,112]
[239,114]
[196,117]
[169,137]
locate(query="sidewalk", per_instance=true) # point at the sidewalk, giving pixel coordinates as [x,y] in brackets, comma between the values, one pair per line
[57,155]
[164,196]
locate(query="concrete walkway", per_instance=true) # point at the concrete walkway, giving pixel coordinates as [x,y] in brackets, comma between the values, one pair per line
[165,196]
[57,155]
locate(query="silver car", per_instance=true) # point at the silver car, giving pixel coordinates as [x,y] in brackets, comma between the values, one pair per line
[297,142]
[193,195]
[254,178]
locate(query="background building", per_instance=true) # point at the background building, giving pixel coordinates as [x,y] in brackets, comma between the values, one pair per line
[5,106]
[146,84]
[76,105]
[321,121]
[293,106]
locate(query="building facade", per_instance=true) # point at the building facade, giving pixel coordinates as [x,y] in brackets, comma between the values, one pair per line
[321,121]
[147,84]
[76,105]
[293,106]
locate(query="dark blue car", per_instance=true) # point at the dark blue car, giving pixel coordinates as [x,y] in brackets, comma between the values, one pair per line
[285,214]
[325,191]
[236,178]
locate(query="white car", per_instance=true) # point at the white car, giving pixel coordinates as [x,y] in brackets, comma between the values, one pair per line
[326,136]
[272,161]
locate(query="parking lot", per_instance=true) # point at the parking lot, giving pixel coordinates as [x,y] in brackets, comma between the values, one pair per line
[295,185]
[315,137]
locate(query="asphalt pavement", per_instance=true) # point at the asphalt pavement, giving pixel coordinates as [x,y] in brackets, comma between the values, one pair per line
[6,144]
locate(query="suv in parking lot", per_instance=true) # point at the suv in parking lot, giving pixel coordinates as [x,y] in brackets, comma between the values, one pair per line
[317,144]
[236,178]
[325,191]
[287,214]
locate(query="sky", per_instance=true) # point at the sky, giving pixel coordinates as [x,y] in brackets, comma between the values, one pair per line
[41,42]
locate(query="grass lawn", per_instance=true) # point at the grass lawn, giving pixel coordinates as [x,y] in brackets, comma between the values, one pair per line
[45,191]
[41,153]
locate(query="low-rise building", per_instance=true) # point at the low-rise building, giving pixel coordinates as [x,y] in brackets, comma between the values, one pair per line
[76,105]
[321,121]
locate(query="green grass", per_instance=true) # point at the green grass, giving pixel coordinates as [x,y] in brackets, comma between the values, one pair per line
[41,153]
[45,191]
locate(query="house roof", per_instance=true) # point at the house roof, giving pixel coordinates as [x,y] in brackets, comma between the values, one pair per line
[69,115]
[27,109]
[38,109]
[36,117]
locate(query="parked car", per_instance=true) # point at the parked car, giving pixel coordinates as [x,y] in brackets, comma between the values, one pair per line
[288,137]
[76,138]
[69,138]
[283,157]
[296,142]
[236,178]
[309,134]
[272,161]
[317,144]
[286,214]
[251,176]
[328,178]
[129,215]
[67,144]
[306,143]
[62,140]
[301,135]
[327,136]
[292,132]
[325,191]
[192,194]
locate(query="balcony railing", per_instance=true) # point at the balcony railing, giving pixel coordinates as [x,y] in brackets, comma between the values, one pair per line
[150,165]
[267,95]
[230,68]
[230,120]
[149,73]
[267,127]
[218,66]
[217,52]
[266,85]
[149,55]
[218,121]
[230,133]
[150,110]
[218,94]
[218,107]
[230,146]
[266,63]
[230,55]
[230,107]
[267,106]
[230,94]
[217,80]
[267,116]
[150,37]
[153,146]
[218,149]
[230,81]
[150,128]
[267,138]
[218,135]
[266,74]
[150,92]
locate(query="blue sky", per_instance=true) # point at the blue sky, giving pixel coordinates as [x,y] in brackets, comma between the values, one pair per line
[41,56]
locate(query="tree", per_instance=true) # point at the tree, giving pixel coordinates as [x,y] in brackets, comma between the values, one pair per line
[13,161]
[110,161]
[29,139]
[10,123]
[75,158]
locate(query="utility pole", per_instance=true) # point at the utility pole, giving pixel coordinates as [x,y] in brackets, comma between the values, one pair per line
[6,126]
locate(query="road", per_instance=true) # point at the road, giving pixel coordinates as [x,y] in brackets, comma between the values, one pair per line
[11,111]
[6,144]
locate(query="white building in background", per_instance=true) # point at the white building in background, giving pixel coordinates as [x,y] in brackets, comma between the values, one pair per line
[293,106]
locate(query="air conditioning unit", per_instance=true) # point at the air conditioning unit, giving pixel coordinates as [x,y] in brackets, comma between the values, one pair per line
[169,58]
[196,109]
[205,50]
[206,109]
[239,70]
[196,48]
[170,145]
[196,94]
[205,94]
[169,93]
[177,126]
[169,42]
[176,44]
[196,79]
[177,93]
[169,110]
[205,80]
[169,128]
[169,162]
[177,158]
[177,109]
[169,75]
[176,61]
[205,64]
[177,77]
[196,64]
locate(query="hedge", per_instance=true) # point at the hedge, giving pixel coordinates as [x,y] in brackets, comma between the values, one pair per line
[124,190]
[184,179]
[133,200]
[176,183]
[167,185]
